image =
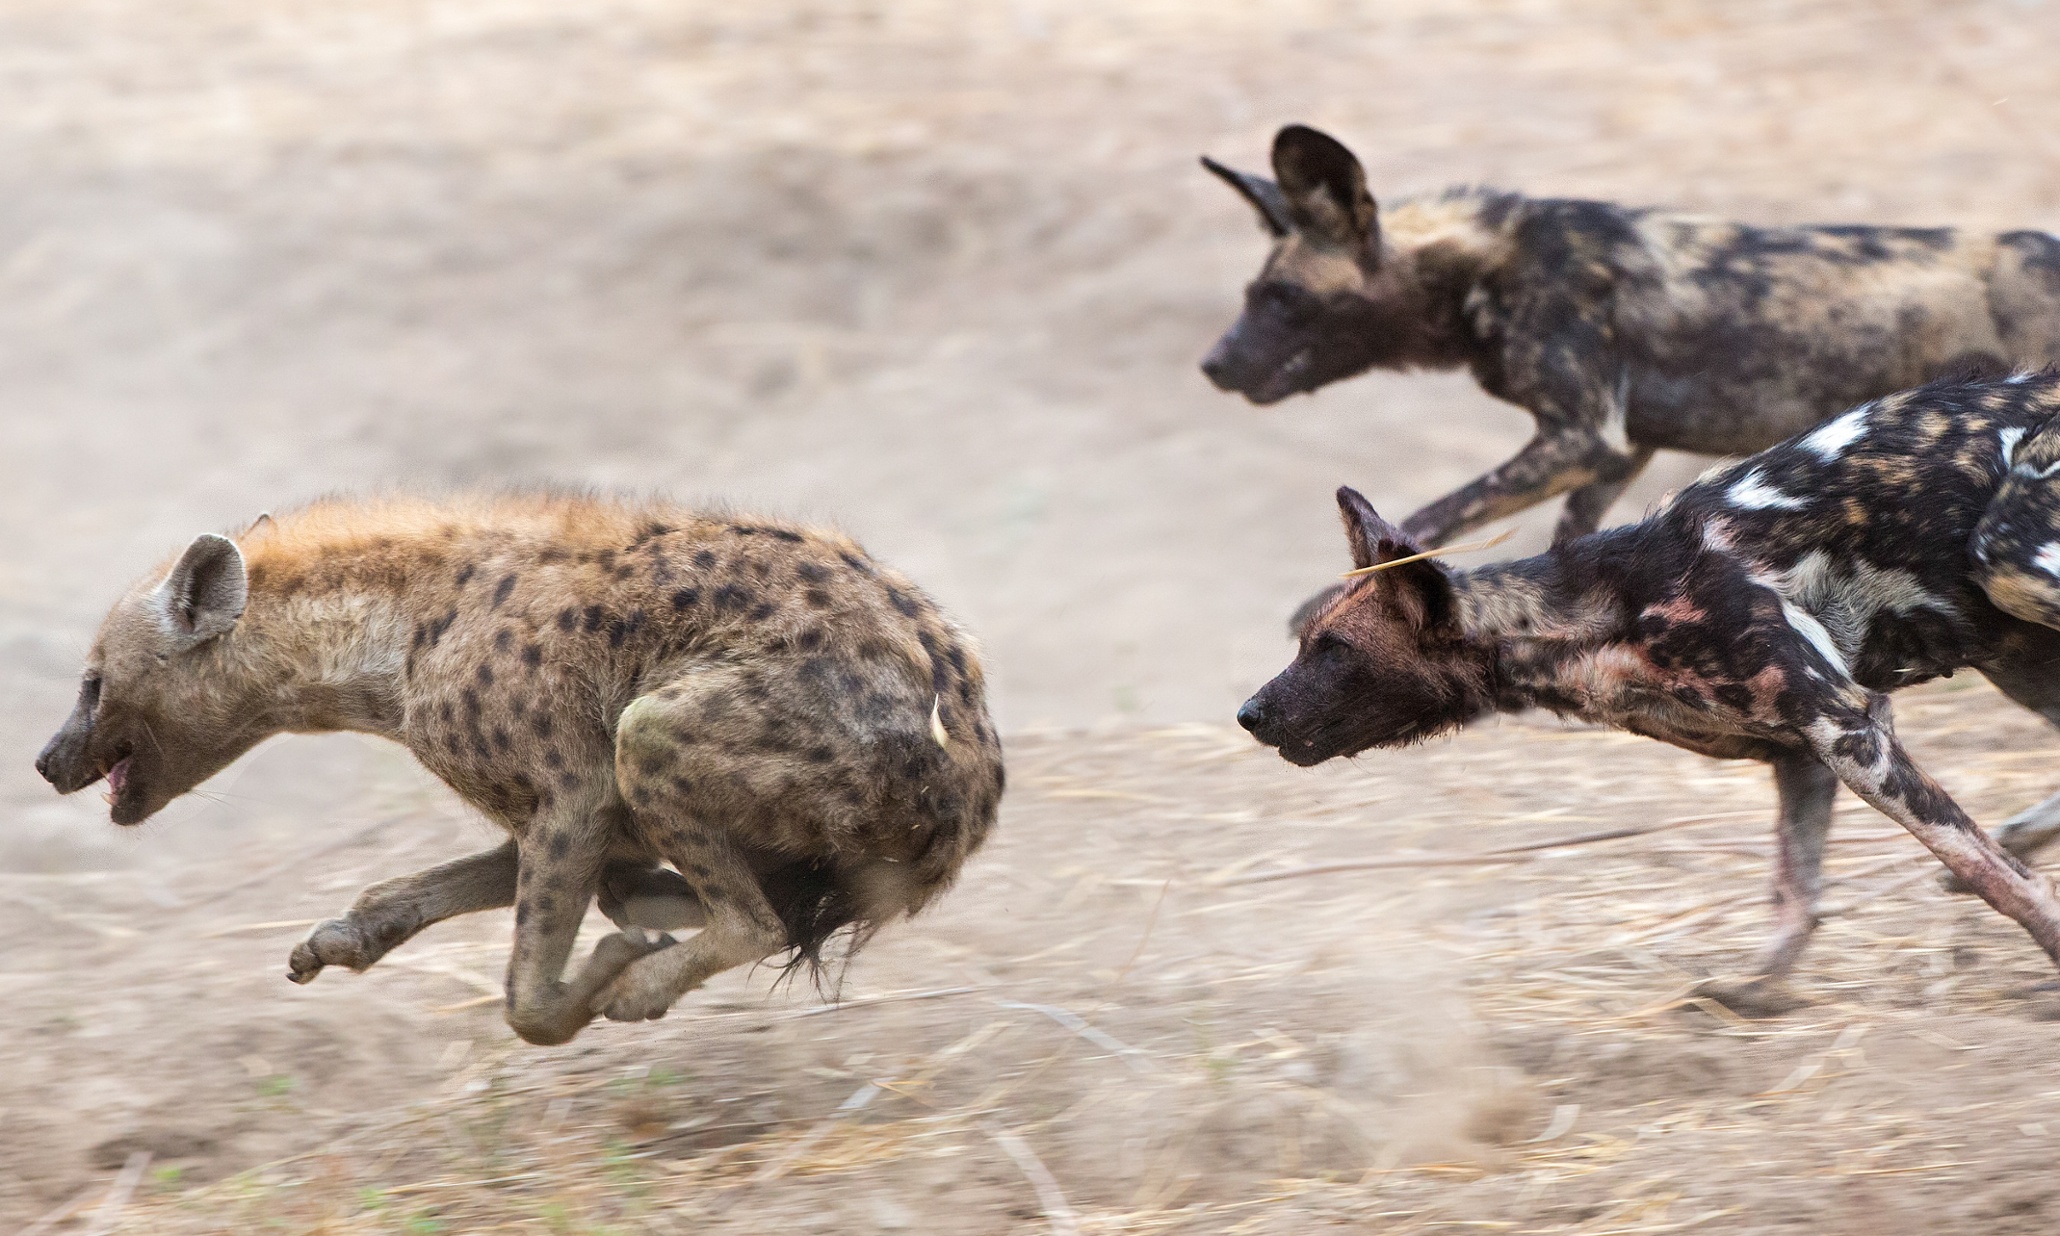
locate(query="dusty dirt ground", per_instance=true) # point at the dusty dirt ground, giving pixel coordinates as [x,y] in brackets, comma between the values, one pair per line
[939,272]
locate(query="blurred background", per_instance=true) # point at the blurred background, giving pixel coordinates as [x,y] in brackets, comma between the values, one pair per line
[935,271]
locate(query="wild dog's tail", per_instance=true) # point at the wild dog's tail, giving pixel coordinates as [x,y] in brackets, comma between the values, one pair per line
[2016,546]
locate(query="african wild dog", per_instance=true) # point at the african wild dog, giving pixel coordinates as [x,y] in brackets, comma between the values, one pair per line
[1765,613]
[793,727]
[1621,330]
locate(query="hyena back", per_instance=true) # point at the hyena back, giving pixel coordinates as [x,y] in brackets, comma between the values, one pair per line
[795,729]
[1621,330]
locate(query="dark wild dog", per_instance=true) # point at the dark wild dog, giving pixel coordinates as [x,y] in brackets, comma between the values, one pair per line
[793,727]
[1620,330]
[1765,613]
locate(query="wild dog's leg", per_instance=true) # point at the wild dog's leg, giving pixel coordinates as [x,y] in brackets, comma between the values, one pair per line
[1558,459]
[667,745]
[392,911]
[1806,788]
[562,855]
[1562,367]
[1586,506]
[2017,566]
[1862,749]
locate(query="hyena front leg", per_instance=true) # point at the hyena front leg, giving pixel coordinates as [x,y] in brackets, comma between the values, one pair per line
[563,853]
[392,911]
[1806,788]
[1862,749]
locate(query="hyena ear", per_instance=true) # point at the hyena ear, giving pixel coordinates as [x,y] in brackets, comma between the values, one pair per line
[1325,189]
[1262,193]
[205,593]
[1374,541]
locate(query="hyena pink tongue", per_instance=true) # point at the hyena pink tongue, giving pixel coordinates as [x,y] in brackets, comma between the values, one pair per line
[117,777]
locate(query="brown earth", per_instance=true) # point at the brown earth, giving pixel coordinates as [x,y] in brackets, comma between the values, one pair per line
[939,272]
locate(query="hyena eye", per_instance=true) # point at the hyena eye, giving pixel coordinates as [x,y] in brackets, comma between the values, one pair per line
[89,692]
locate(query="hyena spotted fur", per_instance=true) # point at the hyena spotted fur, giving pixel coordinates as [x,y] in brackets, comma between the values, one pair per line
[1766,613]
[1620,330]
[738,725]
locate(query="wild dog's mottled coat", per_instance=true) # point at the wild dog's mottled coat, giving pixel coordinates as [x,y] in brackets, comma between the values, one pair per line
[1620,330]
[1766,613]
[794,727]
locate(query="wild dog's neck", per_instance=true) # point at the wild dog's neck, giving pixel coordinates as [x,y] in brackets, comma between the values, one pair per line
[1530,617]
[1441,249]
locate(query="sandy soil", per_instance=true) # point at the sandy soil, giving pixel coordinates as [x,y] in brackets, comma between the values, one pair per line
[939,272]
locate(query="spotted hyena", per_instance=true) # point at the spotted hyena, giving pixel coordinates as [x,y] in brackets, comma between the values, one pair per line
[1620,330]
[1766,613]
[738,725]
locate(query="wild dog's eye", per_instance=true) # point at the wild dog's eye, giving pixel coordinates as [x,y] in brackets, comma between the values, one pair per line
[89,692]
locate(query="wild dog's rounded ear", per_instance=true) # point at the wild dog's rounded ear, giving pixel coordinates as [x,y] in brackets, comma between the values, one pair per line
[1262,193]
[1325,188]
[205,593]
[1374,540]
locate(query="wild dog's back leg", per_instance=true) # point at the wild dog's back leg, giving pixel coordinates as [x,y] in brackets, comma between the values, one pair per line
[1586,506]
[1806,788]
[1861,747]
[2016,551]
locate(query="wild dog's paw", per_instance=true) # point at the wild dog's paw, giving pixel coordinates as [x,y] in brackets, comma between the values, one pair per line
[337,942]
[1750,997]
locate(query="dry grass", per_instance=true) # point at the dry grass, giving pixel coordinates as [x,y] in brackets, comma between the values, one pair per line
[1188,1043]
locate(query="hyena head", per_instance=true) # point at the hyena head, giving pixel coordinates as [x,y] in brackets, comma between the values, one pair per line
[152,716]
[1384,664]
[1328,303]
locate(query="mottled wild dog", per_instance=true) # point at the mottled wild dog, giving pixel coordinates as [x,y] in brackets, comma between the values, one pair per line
[1766,613]
[794,728]
[1620,330]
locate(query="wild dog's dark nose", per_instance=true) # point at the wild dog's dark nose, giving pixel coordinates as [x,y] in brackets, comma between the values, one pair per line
[1251,716]
[1216,367]
[43,761]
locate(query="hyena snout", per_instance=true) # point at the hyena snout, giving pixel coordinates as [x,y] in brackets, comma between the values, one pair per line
[68,761]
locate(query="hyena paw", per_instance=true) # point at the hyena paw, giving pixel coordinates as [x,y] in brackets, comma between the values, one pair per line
[337,942]
[642,992]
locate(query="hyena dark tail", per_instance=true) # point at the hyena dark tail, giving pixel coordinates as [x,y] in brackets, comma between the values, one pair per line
[2016,546]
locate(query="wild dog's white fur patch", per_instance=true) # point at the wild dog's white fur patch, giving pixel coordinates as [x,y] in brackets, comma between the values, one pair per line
[2048,558]
[1830,439]
[1842,598]
[2009,439]
[1751,493]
